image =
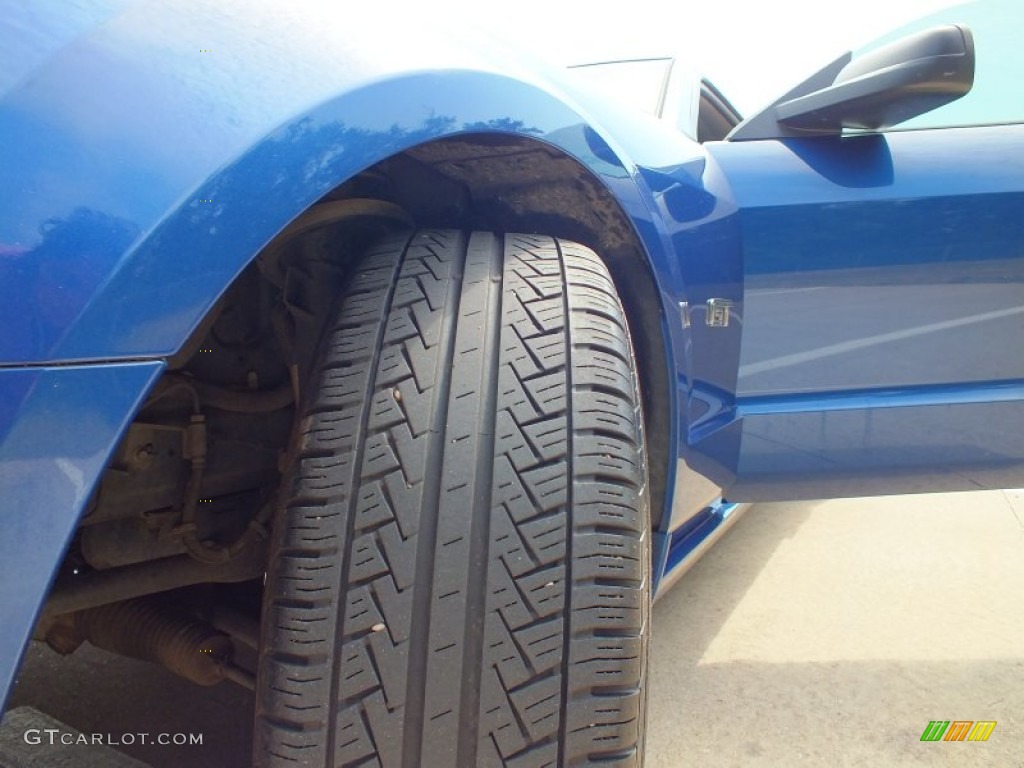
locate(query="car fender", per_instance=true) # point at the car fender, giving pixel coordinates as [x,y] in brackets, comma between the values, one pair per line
[160,147]
[164,169]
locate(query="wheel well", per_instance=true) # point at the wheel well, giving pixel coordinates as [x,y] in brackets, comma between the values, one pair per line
[254,351]
[516,184]
[186,500]
[507,183]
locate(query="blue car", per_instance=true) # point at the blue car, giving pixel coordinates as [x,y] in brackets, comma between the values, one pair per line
[393,377]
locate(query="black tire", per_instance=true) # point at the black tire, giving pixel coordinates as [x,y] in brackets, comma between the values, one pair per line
[472,448]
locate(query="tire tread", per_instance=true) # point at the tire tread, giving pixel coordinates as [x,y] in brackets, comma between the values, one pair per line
[462,565]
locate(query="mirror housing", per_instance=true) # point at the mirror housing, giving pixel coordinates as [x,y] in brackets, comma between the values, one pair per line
[904,79]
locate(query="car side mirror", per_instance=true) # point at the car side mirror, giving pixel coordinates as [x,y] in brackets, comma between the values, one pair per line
[904,79]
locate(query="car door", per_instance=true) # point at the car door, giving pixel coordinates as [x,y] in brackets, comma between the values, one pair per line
[877,339]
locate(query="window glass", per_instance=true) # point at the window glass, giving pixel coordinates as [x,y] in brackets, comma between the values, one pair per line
[640,84]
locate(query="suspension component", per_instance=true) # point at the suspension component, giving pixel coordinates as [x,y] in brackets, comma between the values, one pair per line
[152,630]
[208,551]
[89,590]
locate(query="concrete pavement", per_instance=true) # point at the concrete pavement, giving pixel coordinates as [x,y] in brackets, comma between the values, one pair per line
[831,633]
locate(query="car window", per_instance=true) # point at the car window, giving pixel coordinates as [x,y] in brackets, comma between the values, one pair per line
[998,93]
[717,115]
[639,83]
[663,88]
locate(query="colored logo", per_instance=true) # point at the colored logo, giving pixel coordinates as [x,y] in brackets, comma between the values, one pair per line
[958,730]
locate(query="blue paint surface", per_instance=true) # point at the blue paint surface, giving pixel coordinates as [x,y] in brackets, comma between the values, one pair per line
[58,427]
[883,276]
